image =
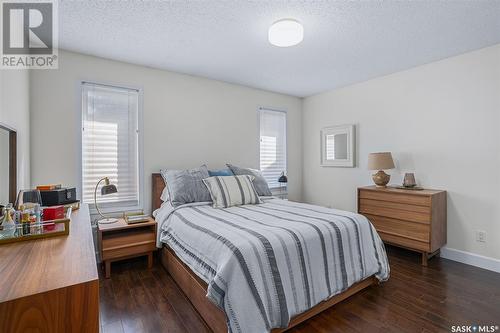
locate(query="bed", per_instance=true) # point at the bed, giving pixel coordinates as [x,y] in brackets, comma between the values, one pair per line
[278,263]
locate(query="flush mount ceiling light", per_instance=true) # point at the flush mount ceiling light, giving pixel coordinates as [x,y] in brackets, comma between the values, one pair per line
[286,32]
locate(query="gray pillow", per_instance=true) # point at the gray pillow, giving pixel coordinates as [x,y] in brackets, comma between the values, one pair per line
[185,186]
[259,182]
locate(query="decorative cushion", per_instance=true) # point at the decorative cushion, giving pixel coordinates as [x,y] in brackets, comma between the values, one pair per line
[260,183]
[227,191]
[185,186]
[221,172]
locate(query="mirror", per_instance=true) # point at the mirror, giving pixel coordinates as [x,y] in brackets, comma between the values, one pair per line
[8,165]
[4,167]
[337,146]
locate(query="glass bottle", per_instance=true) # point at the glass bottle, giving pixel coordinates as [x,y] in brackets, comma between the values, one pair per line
[8,225]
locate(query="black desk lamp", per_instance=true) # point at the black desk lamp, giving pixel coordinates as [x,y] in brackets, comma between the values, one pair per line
[105,190]
[282,180]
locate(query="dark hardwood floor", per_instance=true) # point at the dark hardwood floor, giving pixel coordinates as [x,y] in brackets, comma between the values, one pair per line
[415,299]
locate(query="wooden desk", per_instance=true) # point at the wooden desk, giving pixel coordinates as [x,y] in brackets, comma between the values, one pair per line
[51,285]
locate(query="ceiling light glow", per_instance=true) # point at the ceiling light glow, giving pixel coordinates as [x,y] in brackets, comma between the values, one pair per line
[286,32]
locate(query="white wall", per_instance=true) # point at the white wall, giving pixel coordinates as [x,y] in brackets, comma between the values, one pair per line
[14,112]
[441,121]
[4,166]
[188,120]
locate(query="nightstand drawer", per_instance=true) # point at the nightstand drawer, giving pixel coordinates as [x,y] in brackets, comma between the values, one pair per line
[129,250]
[419,200]
[123,243]
[130,237]
[415,231]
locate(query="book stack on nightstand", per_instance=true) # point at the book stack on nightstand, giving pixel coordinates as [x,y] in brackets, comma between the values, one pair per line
[120,240]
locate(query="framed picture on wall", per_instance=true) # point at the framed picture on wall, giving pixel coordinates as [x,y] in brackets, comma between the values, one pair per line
[337,146]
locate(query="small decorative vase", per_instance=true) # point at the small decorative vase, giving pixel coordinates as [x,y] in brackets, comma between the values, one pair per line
[409,180]
[381,179]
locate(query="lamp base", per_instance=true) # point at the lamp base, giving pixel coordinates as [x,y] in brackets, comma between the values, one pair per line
[381,179]
[108,221]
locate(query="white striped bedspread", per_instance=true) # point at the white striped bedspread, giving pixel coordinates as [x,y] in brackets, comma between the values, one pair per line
[266,263]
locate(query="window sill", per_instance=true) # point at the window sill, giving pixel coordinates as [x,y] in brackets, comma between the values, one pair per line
[115,210]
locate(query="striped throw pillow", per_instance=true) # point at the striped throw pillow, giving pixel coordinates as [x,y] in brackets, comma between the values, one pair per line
[227,191]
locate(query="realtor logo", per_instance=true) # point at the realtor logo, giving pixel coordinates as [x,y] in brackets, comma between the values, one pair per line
[29,34]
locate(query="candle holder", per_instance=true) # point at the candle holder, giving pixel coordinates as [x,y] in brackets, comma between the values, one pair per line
[409,180]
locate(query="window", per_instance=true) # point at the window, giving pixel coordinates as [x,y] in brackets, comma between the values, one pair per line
[272,145]
[110,143]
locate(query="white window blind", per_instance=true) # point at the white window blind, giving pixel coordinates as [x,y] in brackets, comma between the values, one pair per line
[330,147]
[272,145]
[110,143]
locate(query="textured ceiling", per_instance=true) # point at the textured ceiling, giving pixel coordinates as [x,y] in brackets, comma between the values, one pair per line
[344,41]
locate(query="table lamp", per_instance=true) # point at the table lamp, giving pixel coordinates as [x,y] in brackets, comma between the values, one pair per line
[282,180]
[380,162]
[106,189]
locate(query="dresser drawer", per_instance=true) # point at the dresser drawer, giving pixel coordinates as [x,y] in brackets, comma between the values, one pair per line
[396,205]
[395,213]
[416,231]
[404,242]
[419,200]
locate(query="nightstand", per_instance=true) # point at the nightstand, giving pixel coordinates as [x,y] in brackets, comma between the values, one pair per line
[412,219]
[119,240]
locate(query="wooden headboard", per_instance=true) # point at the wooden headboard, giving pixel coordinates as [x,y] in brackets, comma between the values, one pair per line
[158,186]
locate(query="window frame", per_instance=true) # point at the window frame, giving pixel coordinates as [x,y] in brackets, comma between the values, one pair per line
[274,190]
[114,207]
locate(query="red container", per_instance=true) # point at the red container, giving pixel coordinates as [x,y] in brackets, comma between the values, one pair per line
[52,213]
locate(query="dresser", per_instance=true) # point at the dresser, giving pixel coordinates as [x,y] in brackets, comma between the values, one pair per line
[412,219]
[51,285]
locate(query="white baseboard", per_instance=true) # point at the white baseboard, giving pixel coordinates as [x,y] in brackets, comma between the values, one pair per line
[473,259]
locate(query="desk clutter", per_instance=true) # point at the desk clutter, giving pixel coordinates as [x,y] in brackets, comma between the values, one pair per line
[32,222]
[38,213]
[53,195]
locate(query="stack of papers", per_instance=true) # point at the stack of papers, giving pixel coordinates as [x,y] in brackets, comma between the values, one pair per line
[136,218]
